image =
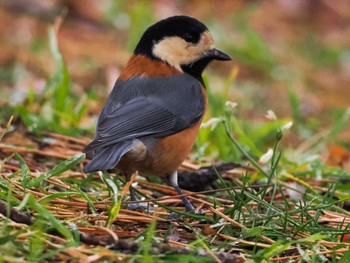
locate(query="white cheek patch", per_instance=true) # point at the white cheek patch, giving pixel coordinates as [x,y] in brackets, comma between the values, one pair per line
[176,51]
[171,50]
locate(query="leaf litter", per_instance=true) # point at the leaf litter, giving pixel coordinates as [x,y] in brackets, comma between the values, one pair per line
[45,185]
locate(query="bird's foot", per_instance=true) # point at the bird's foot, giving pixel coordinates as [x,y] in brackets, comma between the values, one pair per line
[141,207]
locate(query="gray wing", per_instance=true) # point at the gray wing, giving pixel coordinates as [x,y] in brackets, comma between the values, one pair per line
[143,107]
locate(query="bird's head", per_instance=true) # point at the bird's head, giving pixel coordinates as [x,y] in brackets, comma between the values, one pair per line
[182,42]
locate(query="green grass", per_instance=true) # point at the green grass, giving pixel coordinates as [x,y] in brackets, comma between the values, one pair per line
[60,110]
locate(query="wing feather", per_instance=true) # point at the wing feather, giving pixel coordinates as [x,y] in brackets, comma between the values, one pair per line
[143,107]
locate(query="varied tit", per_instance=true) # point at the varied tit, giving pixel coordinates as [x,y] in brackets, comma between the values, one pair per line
[151,118]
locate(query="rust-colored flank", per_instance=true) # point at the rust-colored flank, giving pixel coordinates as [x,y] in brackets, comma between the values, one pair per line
[139,65]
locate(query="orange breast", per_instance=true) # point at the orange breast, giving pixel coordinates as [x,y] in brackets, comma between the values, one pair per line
[163,157]
[169,152]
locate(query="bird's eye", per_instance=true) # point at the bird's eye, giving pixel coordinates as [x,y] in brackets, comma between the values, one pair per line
[188,37]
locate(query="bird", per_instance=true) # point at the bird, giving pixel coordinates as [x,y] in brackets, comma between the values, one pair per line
[151,118]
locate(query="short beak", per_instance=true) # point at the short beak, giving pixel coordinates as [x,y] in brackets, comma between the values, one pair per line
[217,54]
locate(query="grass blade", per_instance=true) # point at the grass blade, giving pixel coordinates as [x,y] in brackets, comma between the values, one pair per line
[24,169]
[117,202]
[58,169]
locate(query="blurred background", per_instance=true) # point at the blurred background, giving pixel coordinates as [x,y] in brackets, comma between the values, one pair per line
[290,56]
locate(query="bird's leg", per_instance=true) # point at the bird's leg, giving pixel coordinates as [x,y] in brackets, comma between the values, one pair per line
[133,196]
[135,206]
[172,181]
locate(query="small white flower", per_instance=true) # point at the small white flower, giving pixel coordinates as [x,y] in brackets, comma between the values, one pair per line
[287,126]
[210,122]
[266,156]
[231,104]
[271,115]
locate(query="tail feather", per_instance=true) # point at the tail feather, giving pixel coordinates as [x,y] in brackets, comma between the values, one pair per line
[108,157]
